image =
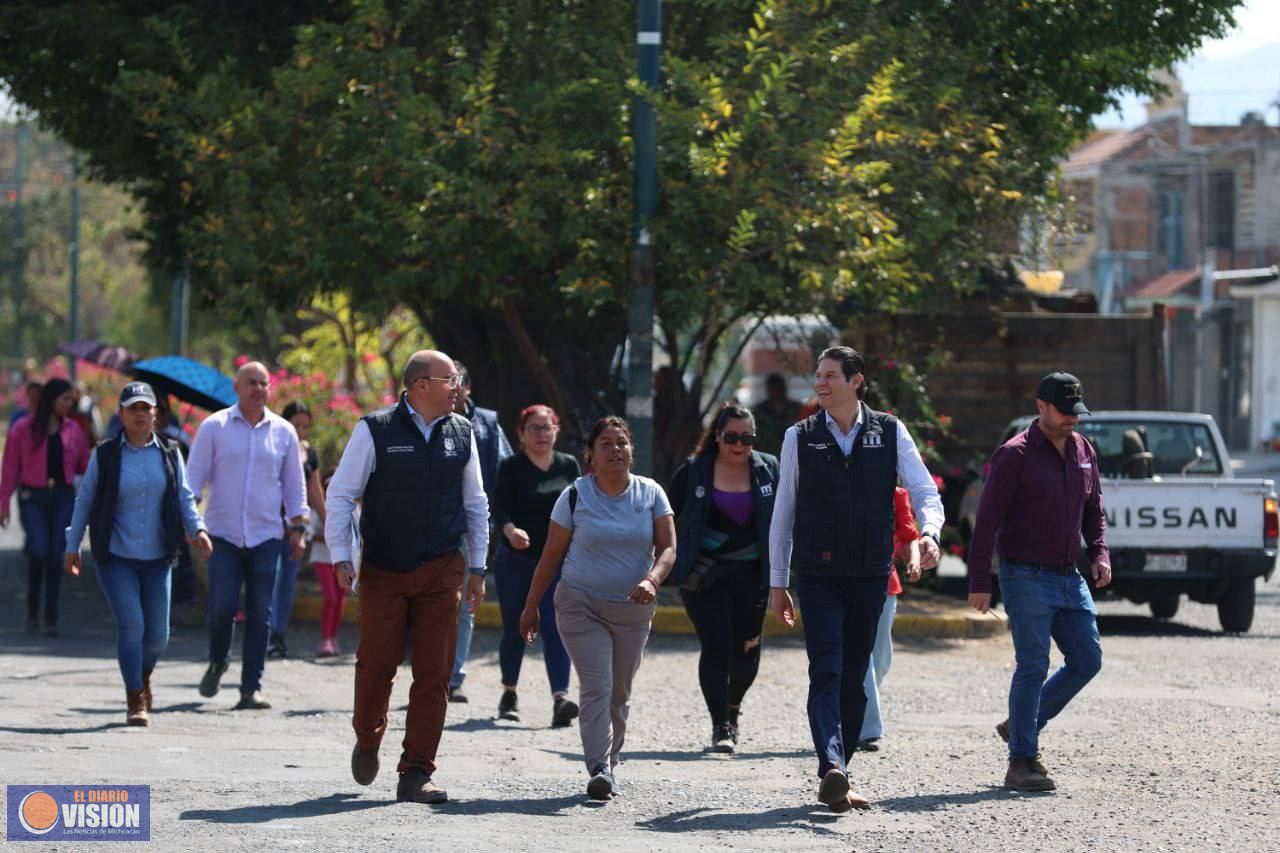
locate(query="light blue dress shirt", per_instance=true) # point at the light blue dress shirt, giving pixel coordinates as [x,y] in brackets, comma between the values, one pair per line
[137,532]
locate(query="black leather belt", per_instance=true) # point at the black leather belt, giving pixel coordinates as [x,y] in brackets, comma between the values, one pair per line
[1057,570]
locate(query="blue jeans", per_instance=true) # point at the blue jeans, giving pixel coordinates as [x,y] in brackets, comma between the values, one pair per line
[513,575]
[138,593]
[466,626]
[840,619]
[881,660]
[1042,605]
[286,589]
[45,515]
[230,568]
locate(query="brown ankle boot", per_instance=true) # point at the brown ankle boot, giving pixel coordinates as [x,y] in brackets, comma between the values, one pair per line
[146,690]
[137,708]
[1023,776]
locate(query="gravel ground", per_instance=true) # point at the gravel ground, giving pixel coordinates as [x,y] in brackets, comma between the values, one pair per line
[1174,746]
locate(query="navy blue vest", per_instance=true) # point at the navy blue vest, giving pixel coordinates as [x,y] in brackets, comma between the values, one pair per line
[412,508]
[102,514]
[844,505]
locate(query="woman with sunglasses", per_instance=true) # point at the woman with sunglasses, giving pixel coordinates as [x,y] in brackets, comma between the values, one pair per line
[529,483]
[723,501]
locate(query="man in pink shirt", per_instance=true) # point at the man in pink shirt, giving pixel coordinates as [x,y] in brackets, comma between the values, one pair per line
[248,457]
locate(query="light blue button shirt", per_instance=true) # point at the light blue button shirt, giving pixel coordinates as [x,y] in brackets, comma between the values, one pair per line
[137,532]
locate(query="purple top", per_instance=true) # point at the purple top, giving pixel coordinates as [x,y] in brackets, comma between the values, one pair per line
[1036,504]
[250,472]
[740,506]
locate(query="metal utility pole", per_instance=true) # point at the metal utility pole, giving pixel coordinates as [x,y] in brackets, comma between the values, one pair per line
[19,270]
[73,316]
[640,306]
[180,312]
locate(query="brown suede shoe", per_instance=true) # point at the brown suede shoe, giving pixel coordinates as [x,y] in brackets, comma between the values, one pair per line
[364,765]
[415,786]
[834,789]
[1023,776]
[146,690]
[1002,729]
[137,715]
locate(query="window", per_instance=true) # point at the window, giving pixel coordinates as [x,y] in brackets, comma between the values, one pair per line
[1169,229]
[1172,446]
[1222,210]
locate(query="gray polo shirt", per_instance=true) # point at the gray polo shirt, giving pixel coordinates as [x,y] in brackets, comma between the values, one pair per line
[611,548]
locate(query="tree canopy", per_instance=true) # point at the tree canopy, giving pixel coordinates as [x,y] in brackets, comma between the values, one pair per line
[472,160]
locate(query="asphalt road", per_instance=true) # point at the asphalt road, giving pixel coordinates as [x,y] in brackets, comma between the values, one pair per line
[1174,746]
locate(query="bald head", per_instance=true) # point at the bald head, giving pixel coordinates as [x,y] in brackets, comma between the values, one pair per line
[252,368]
[252,385]
[425,363]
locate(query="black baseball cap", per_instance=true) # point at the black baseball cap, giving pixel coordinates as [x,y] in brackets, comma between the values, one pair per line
[136,392]
[1065,392]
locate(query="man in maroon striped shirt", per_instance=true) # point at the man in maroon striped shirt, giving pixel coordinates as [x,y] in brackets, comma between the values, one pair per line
[1041,496]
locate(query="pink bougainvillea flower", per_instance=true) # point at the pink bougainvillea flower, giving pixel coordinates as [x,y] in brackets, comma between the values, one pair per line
[891,364]
[957,549]
[241,361]
[369,358]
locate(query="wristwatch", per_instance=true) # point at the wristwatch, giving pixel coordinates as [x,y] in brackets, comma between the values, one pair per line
[478,570]
[298,528]
[934,537]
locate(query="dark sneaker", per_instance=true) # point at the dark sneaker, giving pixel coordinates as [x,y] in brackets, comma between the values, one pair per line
[415,786]
[364,765]
[722,738]
[564,712]
[456,695]
[276,648]
[212,678]
[871,744]
[1023,776]
[509,706]
[253,701]
[834,788]
[601,785]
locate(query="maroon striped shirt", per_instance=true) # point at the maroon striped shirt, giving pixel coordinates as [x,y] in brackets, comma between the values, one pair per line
[1036,504]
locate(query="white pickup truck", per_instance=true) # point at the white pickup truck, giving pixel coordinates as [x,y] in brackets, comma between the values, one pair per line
[1178,522]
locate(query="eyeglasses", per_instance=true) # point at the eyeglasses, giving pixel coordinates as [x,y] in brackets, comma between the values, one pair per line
[747,438]
[454,380]
[541,429]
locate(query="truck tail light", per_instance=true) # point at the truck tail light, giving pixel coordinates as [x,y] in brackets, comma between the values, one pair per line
[1270,522]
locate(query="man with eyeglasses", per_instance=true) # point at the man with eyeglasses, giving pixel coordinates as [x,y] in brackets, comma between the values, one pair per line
[833,526]
[493,447]
[424,527]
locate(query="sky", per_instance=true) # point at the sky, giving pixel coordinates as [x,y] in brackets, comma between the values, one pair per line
[1225,79]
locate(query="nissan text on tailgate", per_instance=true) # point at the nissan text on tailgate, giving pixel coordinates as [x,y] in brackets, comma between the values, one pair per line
[1178,523]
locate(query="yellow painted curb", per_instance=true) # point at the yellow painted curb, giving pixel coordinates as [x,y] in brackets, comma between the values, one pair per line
[674,620]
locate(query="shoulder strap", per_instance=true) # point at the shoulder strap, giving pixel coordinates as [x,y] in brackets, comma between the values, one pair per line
[573,498]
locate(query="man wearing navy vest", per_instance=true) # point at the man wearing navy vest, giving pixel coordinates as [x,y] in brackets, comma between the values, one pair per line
[424,526]
[833,526]
[493,447]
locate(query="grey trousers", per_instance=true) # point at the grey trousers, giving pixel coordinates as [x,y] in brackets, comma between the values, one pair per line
[605,640]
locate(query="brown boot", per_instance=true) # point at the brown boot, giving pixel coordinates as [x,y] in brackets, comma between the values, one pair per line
[1023,776]
[137,708]
[1002,729]
[146,690]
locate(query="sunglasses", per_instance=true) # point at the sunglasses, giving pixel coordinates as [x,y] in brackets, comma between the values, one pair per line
[454,380]
[747,438]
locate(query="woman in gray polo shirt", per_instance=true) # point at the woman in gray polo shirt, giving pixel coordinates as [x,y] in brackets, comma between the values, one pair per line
[614,533]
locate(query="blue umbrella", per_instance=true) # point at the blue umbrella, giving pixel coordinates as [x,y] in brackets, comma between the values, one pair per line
[191,381]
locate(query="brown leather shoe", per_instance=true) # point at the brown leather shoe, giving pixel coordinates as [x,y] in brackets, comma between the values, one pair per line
[415,786]
[851,801]
[834,789]
[1023,776]
[137,715]
[1002,729]
[146,690]
[364,765]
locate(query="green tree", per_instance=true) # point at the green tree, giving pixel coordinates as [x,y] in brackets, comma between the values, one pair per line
[472,160]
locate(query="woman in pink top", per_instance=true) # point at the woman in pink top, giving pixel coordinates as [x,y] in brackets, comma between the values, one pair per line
[43,455]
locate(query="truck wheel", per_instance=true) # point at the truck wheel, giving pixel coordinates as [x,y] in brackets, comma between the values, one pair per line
[1165,606]
[1235,608]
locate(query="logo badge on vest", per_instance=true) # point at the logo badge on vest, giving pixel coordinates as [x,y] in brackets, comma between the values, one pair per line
[873,439]
[700,492]
[448,448]
[766,490]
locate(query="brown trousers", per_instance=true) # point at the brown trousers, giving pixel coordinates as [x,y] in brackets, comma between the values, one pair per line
[422,603]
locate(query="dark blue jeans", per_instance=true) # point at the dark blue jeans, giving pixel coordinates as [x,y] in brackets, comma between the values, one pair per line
[285,591]
[254,569]
[138,593]
[513,575]
[840,618]
[45,514]
[1042,605]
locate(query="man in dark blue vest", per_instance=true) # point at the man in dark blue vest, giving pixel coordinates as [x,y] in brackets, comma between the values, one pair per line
[493,447]
[833,527]
[424,526]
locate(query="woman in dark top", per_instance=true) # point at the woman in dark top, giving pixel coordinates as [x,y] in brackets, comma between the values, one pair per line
[723,500]
[529,483]
[43,454]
